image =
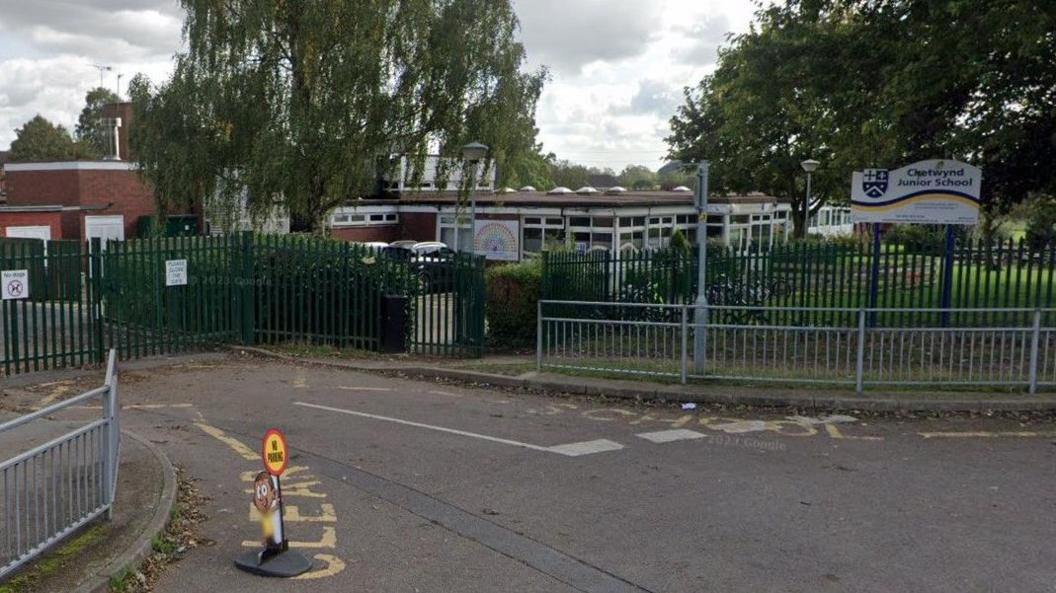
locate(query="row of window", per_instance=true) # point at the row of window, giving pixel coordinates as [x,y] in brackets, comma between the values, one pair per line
[364,219]
[830,217]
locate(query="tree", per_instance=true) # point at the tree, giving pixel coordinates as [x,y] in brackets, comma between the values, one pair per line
[305,102]
[90,127]
[530,167]
[573,175]
[861,83]
[638,177]
[40,140]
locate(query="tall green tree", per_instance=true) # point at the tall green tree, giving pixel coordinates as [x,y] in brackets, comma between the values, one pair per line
[90,126]
[638,177]
[40,140]
[304,101]
[866,83]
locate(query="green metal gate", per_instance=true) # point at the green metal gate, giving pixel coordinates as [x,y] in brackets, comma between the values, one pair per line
[86,299]
[448,304]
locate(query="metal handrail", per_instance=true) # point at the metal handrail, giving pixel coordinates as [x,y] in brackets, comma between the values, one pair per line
[758,350]
[52,489]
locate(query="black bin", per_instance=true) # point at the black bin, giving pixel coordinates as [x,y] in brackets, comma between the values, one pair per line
[394,323]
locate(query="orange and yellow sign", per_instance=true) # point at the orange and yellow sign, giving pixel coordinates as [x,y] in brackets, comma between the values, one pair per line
[274,453]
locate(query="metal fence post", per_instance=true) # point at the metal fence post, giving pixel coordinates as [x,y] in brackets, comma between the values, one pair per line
[1035,343]
[113,435]
[860,366]
[245,292]
[539,335]
[685,343]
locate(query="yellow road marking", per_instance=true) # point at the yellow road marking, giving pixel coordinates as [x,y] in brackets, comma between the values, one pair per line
[300,380]
[61,389]
[334,565]
[232,442]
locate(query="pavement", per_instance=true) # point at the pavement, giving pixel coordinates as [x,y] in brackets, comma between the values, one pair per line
[85,561]
[402,485]
[508,372]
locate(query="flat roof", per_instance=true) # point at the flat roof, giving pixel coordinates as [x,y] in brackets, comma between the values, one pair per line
[113,165]
[573,200]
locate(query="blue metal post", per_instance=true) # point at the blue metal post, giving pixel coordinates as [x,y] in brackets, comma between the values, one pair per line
[874,276]
[947,277]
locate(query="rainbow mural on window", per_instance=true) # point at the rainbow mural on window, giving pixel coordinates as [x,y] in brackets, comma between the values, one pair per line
[497,239]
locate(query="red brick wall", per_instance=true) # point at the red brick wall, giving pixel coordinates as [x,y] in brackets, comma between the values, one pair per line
[43,188]
[125,192]
[118,192]
[388,233]
[50,219]
[419,226]
[73,225]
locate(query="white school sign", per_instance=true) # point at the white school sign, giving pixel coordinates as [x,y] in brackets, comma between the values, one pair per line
[927,192]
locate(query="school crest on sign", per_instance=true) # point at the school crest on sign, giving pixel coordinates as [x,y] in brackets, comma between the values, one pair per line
[874,182]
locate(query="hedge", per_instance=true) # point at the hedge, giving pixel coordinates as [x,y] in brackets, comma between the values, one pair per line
[513,292]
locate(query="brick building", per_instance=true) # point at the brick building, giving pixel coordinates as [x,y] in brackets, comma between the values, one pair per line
[511,224]
[103,199]
[92,199]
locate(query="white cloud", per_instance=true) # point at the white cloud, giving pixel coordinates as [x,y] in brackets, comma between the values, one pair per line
[618,66]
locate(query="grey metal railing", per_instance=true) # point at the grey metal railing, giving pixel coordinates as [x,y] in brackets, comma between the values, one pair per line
[50,490]
[862,347]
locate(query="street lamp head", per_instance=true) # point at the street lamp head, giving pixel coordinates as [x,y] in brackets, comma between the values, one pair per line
[810,165]
[474,151]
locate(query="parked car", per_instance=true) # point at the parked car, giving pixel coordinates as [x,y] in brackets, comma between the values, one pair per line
[435,265]
[375,245]
[404,244]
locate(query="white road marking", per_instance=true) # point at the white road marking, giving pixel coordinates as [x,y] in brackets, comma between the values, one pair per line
[670,436]
[447,393]
[364,388]
[569,450]
[1026,434]
[586,448]
[140,407]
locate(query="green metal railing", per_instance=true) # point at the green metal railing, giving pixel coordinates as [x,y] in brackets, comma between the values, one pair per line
[56,325]
[815,276]
[85,300]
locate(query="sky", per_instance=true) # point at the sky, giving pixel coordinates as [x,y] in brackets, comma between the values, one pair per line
[617,67]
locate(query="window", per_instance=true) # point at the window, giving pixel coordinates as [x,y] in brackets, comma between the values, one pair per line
[533,240]
[580,221]
[539,233]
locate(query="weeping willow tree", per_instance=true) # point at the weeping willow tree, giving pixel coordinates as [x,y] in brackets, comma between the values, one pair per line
[304,102]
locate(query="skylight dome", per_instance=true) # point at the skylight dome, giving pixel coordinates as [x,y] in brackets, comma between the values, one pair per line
[559,190]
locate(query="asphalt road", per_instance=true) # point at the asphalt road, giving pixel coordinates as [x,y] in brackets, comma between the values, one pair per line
[408,486]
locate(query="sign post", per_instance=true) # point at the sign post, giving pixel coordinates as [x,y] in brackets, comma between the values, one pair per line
[276,559]
[942,192]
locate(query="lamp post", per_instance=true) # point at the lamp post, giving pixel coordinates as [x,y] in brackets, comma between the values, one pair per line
[700,312]
[809,165]
[700,315]
[472,153]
